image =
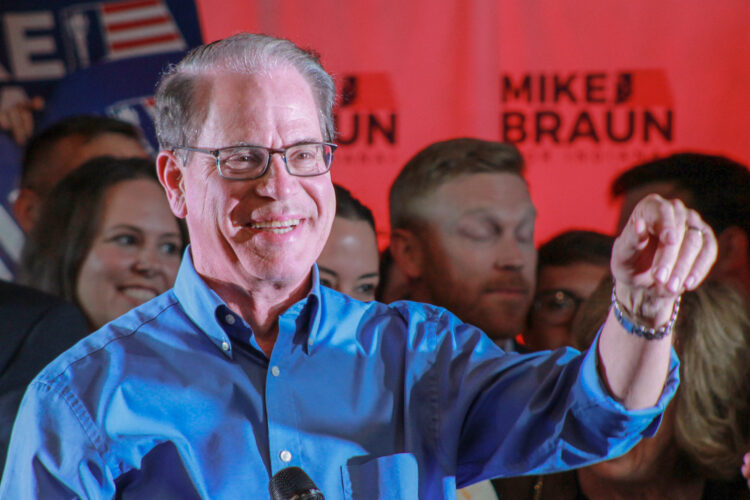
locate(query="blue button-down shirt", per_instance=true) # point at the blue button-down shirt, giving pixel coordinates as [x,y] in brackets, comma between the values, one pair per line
[176,400]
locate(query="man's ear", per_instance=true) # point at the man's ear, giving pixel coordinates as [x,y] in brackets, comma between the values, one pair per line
[407,252]
[26,209]
[170,176]
[732,258]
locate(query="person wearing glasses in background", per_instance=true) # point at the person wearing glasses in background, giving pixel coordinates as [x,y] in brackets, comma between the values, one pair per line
[569,268]
[248,366]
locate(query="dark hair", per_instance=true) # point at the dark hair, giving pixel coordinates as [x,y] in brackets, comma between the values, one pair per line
[442,161]
[572,247]
[719,188]
[350,208]
[384,268]
[36,158]
[69,220]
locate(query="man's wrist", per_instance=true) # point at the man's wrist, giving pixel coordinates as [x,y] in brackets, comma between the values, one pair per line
[643,307]
[650,323]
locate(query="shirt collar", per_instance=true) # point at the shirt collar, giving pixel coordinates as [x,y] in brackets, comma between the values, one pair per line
[305,312]
[203,306]
[200,303]
[312,303]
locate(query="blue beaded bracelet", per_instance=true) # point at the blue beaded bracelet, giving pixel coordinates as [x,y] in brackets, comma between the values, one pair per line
[640,330]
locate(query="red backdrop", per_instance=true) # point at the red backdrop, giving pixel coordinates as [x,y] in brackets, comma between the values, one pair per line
[585,89]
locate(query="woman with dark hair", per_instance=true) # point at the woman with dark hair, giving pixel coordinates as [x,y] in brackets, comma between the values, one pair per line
[106,239]
[349,262]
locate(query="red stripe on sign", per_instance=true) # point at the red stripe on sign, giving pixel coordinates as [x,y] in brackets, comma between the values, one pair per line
[144,41]
[136,4]
[137,24]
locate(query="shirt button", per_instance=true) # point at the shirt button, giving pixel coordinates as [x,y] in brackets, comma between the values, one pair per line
[229,319]
[275,372]
[225,346]
[285,456]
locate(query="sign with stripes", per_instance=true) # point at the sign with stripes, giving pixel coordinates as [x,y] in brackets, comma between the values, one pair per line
[139,27]
[83,57]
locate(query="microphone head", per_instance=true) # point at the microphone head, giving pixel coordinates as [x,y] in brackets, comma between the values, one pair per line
[293,483]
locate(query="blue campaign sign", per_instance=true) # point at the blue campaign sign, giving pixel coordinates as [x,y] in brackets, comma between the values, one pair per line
[83,57]
[121,89]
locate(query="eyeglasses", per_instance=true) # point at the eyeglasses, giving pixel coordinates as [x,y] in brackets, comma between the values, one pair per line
[251,162]
[556,307]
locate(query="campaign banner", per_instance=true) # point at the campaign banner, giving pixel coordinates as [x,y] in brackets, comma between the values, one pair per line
[83,57]
[585,89]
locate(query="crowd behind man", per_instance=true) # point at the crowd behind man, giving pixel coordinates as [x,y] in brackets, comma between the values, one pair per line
[280,371]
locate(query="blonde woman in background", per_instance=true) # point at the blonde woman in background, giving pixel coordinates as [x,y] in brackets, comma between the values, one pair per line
[698,449]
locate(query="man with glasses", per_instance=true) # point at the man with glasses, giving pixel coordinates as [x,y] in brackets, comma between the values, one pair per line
[249,366]
[569,268]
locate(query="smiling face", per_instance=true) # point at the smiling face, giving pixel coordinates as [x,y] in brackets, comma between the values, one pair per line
[266,231]
[349,262]
[134,255]
[478,251]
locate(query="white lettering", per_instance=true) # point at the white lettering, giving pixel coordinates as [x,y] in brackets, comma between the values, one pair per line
[23,46]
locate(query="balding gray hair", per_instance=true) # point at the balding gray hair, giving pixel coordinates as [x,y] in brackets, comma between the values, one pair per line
[181,108]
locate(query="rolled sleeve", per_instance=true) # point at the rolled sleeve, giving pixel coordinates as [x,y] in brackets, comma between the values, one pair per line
[546,412]
[607,416]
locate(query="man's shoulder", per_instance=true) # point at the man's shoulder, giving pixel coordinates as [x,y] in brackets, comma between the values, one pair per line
[408,311]
[414,322]
[419,311]
[115,339]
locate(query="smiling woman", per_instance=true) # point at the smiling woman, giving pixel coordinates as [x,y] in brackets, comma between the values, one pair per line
[349,261]
[106,239]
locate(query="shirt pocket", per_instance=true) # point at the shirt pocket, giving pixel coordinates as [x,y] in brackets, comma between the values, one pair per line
[393,477]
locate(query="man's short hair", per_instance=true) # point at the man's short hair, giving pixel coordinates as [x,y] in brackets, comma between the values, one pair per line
[350,208]
[574,247]
[180,105]
[719,188]
[36,158]
[441,162]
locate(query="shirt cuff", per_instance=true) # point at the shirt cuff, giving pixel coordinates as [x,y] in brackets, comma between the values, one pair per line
[612,415]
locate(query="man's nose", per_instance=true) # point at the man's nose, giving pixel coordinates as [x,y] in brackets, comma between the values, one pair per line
[509,253]
[278,182]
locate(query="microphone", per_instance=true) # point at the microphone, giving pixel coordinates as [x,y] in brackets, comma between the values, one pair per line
[293,483]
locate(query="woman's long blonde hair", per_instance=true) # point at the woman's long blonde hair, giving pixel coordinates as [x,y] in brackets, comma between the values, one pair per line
[712,339]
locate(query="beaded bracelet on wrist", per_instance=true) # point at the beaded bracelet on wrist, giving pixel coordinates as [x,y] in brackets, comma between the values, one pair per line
[640,330]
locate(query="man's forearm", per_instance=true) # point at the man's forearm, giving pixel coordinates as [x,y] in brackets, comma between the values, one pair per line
[634,369]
